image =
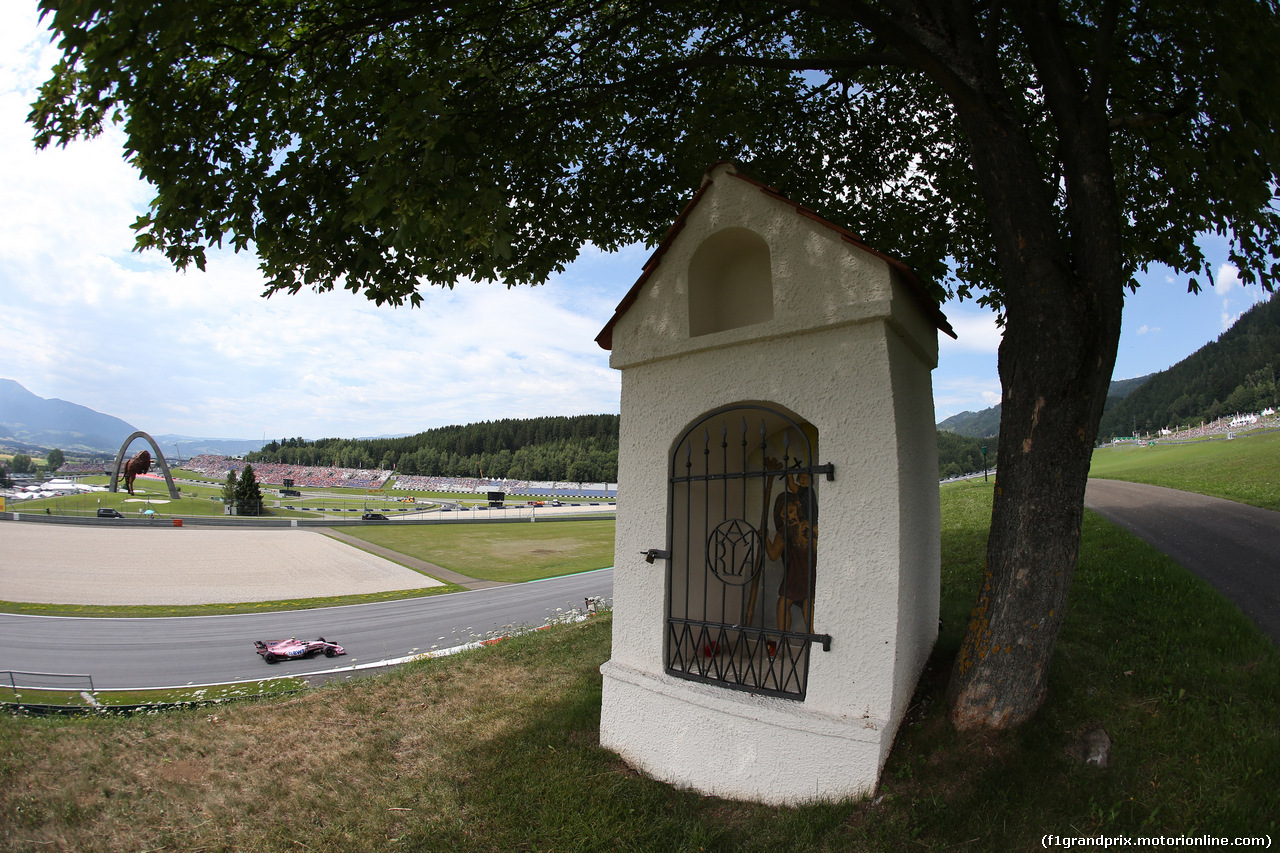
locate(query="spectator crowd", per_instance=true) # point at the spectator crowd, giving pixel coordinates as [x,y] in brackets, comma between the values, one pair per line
[362,478]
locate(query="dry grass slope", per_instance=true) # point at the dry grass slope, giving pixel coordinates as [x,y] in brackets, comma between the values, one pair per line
[346,767]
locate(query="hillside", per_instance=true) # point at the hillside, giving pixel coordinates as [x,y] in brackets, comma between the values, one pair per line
[986,423]
[30,421]
[981,424]
[1235,373]
[582,448]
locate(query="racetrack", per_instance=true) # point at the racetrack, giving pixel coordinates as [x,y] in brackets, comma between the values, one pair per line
[172,652]
[100,564]
[104,564]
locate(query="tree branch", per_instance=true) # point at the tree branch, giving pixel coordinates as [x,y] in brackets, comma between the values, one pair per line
[1141,120]
[1104,52]
[850,62]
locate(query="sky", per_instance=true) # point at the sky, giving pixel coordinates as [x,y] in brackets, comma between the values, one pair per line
[87,320]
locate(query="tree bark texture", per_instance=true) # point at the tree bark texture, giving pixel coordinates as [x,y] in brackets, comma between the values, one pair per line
[1062,281]
[1063,302]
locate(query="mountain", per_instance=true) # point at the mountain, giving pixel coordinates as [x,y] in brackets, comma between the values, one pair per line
[32,424]
[1237,373]
[186,446]
[29,420]
[986,423]
[974,424]
[1121,388]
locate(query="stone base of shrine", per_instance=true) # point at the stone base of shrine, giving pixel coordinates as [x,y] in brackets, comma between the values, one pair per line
[738,745]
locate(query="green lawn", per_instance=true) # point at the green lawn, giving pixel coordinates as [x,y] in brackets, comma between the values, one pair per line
[144,611]
[161,698]
[149,495]
[509,553]
[1246,469]
[512,553]
[498,749]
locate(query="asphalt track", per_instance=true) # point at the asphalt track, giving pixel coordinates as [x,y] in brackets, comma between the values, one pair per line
[169,652]
[1233,546]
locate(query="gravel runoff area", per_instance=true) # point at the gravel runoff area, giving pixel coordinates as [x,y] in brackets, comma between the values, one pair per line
[96,564]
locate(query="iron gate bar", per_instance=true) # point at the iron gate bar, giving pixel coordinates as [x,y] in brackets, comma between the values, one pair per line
[705,642]
[829,470]
[824,639]
[750,669]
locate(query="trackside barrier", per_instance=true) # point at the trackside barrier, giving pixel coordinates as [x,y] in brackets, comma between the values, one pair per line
[481,516]
[47,680]
[35,710]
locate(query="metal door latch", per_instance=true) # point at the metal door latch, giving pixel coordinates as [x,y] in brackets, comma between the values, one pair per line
[655,554]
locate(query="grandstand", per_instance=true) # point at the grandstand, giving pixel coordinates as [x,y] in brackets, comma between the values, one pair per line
[269,472]
[377,480]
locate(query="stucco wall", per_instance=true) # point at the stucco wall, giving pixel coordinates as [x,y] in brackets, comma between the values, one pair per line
[818,281]
[846,350]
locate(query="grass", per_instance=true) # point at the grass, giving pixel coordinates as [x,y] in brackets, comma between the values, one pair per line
[205,498]
[160,698]
[88,503]
[511,553]
[1246,469]
[128,611]
[497,749]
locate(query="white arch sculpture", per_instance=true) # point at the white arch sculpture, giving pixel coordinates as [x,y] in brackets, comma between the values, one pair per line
[164,466]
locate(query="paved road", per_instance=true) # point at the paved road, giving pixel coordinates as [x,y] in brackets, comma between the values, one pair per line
[1233,546]
[219,649]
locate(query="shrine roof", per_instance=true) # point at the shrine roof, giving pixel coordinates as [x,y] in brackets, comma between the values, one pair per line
[927,304]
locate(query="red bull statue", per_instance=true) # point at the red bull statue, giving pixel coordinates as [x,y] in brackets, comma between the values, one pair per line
[139,464]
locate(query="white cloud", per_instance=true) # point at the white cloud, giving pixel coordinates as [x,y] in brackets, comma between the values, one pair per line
[1227,278]
[204,354]
[1145,329]
[965,393]
[975,327]
[1226,282]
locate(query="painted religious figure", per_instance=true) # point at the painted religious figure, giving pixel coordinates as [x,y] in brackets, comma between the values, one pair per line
[795,542]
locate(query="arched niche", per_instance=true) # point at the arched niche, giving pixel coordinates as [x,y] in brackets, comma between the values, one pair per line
[730,282]
[164,466]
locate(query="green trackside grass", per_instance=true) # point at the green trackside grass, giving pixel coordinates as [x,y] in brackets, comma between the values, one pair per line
[512,553]
[197,500]
[160,698]
[1246,469]
[126,611]
[497,749]
[88,503]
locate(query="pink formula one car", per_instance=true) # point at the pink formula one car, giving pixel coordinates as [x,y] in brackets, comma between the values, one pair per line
[295,648]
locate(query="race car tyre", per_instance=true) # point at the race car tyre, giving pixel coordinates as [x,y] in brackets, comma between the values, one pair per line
[330,653]
[270,658]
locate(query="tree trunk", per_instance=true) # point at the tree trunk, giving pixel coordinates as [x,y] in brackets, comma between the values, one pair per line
[1063,297]
[1054,374]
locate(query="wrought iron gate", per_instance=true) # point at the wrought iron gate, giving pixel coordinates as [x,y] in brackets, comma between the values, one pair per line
[736,474]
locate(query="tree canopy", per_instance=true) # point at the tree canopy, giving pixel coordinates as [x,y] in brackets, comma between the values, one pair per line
[1034,155]
[582,448]
[378,144]
[248,495]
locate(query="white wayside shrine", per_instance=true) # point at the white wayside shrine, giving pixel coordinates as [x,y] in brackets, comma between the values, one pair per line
[777,555]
